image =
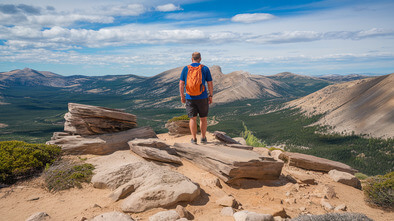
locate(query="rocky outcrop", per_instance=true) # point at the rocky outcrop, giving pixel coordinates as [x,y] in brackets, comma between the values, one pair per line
[345,178]
[154,149]
[143,184]
[180,127]
[118,216]
[89,120]
[98,130]
[309,162]
[99,144]
[229,163]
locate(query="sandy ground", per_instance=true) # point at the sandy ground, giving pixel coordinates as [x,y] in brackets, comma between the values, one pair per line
[19,201]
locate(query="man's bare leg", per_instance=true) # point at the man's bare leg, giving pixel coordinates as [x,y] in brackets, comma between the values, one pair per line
[203,126]
[193,127]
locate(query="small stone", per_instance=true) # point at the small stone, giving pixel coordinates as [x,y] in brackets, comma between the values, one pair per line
[279,211]
[170,215]
[326,205]
[227,211]
[252,216]
[288,194]
[183,213]
[345,178]
[118,216]
[329,192]
[341,207]
[33,199]
[40,216]
[212,183]
[96,206]
[84,219]
[302,209]
[227,201]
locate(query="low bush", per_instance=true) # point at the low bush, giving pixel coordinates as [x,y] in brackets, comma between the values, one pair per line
[250,139]
[275,148]
[379,190]
[66,174]
[361,176]
[20,160]
[183,117]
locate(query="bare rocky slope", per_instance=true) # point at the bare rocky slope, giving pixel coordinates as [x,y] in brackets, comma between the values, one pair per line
[363,106]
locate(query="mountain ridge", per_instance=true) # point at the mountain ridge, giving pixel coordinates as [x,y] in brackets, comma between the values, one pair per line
[362,107]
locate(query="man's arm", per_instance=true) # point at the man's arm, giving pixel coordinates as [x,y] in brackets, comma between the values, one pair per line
[182,91]
[210,90]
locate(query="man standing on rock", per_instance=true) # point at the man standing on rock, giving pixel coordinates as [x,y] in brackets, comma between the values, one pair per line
[197,98]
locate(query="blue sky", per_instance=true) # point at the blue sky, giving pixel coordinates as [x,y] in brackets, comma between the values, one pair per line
[102,37]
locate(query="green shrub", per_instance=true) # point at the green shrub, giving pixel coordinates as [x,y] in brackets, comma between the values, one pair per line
[183,117]
[379,190]
[250,139]
[66,174]
[361,176]
[275,148]
[20,160]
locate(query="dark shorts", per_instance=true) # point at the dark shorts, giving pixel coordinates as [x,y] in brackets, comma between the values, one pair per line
[194,107]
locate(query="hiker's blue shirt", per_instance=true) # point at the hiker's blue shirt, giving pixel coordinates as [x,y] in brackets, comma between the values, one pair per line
[206,76]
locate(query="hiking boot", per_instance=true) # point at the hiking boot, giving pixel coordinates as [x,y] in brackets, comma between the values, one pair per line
[204,140]
[193,141]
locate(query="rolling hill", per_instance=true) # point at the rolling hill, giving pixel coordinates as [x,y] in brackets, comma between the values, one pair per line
[362,107]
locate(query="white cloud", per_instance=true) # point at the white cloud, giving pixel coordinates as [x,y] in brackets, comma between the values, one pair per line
[121,10]
[252,18]
[168,8]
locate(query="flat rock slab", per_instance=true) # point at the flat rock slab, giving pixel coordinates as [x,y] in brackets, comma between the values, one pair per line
[89,120]
[154,149]
[229,163]
[101,144]
[143,185]
[310,162]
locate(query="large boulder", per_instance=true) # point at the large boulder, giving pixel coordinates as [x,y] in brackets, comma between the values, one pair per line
[143,184]
[229,163]
[100,144]
[345,178]
[180,127]
[154,149]
[310,162]
[89,120]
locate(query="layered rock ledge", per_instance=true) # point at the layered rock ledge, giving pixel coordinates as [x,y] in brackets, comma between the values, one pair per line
[230,164]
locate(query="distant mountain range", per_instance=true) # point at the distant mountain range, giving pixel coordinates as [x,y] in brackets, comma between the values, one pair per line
[162,89]
[362,107]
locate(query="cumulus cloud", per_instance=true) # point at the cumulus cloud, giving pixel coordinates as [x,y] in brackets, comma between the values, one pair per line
[252,18]
[48,17]
[168,8]
[21,8]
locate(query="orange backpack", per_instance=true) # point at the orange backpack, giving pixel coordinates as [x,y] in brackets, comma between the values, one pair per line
[194,85]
